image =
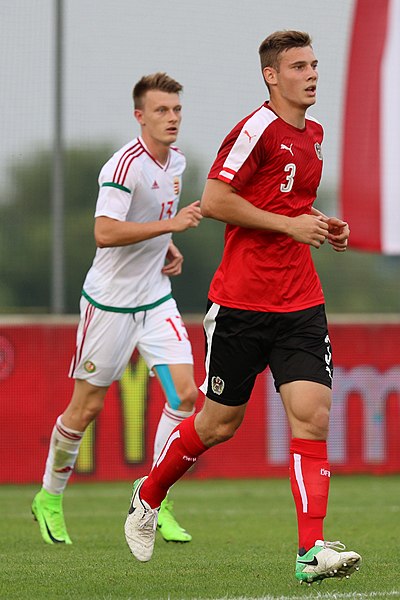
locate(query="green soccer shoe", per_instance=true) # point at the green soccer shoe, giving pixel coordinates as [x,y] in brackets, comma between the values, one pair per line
[168,526]
[48,512]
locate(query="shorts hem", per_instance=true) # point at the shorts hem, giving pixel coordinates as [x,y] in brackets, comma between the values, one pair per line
[302,378]
[224,401]
[152,364]
[91,380]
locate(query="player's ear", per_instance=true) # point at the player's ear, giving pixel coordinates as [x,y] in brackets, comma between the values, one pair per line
[138,114]
[269,74]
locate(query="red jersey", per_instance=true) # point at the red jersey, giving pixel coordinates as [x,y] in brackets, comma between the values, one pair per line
[276,167]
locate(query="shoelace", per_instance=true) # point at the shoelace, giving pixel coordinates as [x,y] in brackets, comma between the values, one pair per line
[149,515]
[338,546]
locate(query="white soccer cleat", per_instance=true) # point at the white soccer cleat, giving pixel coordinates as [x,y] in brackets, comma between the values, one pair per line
[140,525]
[325,560]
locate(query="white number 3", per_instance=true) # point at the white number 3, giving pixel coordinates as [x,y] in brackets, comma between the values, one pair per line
[287,186]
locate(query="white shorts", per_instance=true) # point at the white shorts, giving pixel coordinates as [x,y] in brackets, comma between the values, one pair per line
[106,340]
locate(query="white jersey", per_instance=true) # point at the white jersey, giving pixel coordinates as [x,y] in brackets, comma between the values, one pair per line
[135,187]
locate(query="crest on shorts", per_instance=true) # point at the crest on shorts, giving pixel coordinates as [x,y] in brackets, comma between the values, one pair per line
[177,185]
[318,150]
[217,385]
[89,366]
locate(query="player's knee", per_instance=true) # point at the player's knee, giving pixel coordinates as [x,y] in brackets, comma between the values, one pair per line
[187,397]
[91,411]
[318,424]
[225,432]
[220,433]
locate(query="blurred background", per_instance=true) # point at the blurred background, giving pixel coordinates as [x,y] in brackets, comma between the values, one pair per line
[68,68]
[67,72]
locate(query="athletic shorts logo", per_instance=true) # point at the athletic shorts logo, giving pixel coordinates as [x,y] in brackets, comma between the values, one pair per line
[217,385]
[328,357]
[318,150]
[89,366]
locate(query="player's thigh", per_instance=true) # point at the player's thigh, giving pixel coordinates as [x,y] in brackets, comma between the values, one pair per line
[86,393]
[105,342]
[236,353]
[163,338]
[302,349]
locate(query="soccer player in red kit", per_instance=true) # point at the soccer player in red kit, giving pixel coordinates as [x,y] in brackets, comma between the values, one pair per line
[266,305]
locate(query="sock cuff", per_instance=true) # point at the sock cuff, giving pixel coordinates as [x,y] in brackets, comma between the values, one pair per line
[177,414]
[66,432]
[190,438]
[309,448]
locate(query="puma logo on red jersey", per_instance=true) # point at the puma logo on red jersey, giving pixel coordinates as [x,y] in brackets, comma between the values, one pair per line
[289,148]
[248,135]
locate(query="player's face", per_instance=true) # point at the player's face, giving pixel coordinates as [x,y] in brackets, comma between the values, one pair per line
[160,117]
[296,80]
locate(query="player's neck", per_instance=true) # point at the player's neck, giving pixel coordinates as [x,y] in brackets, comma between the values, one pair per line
[293,115]
[158,150]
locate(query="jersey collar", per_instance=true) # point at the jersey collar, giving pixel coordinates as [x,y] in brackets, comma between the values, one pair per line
[163,167]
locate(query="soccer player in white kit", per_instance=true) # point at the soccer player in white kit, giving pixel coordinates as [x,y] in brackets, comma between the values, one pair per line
[126,298]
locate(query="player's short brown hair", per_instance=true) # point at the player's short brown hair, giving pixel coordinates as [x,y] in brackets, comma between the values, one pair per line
[156,81]
[272,47]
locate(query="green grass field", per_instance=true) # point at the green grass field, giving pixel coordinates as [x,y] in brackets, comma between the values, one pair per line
[244,543]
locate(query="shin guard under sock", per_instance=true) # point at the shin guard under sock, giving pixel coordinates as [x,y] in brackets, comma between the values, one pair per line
[180,452]
[309,479]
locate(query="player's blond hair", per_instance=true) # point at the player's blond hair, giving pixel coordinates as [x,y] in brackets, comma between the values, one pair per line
[156,81]
[271,48]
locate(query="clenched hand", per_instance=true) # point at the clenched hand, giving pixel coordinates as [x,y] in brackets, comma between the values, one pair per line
[188,216]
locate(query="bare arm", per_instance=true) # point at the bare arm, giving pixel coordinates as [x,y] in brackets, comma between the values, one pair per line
[110,232]
[220,201]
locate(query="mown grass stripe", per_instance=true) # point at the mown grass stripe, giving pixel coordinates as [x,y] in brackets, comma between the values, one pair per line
[318,596]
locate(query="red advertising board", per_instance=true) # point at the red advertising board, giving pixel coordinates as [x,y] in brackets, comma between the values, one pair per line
[34,390]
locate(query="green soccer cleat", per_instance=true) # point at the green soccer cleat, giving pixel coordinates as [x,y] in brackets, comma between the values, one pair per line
[48,512]
[324,561]
[168,526]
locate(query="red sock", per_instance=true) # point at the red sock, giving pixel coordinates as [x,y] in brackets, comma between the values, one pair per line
[179,453]
[309,479]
